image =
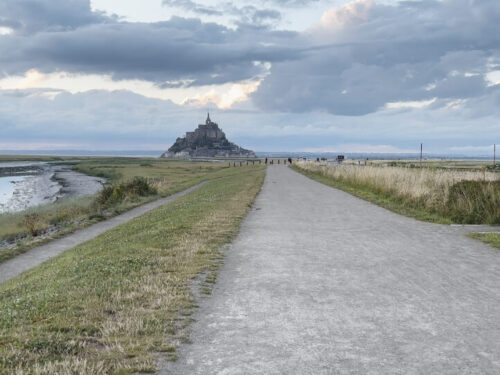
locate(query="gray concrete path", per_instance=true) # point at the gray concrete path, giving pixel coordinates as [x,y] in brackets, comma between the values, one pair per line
[320,282]
[40,254]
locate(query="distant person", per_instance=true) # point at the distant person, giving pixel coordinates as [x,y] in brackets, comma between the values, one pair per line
[289,160]
[266,161]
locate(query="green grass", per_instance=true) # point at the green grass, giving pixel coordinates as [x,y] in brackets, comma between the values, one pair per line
[492,239]
[114,303]
[383,199]
[167,177]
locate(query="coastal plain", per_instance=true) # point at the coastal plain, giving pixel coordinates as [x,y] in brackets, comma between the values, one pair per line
[333,271]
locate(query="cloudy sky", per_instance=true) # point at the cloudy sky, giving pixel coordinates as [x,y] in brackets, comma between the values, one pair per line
[277,75]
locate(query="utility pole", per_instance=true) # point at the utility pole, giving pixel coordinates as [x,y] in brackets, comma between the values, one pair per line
[421,148]
[494,155]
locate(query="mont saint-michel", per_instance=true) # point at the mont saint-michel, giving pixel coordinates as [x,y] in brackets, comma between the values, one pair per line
[208,140]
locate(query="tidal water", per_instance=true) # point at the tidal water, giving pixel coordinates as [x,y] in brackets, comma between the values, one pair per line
[8,186]
[27,184]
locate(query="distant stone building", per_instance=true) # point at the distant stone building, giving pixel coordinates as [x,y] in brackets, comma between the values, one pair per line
[208,140]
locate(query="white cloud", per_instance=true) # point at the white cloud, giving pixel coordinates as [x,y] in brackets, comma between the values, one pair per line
[223,96]
[5,30]
[493,78]
[411,104]
[338,18]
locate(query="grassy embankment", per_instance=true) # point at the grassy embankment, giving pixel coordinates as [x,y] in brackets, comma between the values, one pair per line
[115,303]
[53,220]
[437,195]
[492,239]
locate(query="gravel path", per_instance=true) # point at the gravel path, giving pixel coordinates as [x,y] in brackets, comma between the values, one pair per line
[320,282]
[40,254]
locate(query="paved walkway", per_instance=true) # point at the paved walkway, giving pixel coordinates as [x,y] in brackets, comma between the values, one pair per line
[40,254]
[320,282]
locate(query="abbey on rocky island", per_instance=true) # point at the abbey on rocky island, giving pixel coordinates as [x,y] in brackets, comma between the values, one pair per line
[208,140]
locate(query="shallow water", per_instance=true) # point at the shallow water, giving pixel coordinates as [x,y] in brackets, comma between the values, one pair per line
[8,186]
[26,184]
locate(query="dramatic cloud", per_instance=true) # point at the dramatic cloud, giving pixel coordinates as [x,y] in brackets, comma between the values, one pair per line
[368,55]
[68,36]
[367,75]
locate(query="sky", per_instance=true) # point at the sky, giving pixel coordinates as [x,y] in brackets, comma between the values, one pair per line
[276,75]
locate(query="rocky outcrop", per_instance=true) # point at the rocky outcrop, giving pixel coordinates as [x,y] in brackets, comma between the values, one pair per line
[208,140]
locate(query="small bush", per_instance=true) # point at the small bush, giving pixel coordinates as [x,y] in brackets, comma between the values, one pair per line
[31,221]
[112,195]
[104,195]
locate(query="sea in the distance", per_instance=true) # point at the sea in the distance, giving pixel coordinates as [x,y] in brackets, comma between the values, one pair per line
[261,154]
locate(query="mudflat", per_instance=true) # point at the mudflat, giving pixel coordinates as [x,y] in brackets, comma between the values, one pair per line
[320,282]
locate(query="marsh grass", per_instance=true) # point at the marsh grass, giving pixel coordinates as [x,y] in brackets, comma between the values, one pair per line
[162,178]
[114,303]
[469,197]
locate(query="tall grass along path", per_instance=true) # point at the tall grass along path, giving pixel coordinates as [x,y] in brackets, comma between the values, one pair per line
[321,282]
[38,255]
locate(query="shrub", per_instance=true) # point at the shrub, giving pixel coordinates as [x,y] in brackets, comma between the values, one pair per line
[104,195]
[112,195]
[31,221]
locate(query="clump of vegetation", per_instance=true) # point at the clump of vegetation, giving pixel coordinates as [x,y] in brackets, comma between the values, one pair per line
[434,194]
[114,194]
[471,202]
[492,239]
[31,221]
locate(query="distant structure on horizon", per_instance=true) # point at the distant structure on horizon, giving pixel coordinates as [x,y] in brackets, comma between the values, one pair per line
[208,140]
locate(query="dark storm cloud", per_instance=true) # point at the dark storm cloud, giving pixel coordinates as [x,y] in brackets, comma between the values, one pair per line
[29,16]
[62,35]
[368,55]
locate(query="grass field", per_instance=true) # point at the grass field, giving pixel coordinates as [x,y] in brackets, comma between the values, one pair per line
[432,194]
[166,177]
[115,303]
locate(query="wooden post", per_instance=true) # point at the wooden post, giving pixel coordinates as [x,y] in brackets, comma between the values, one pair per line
[421,148]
